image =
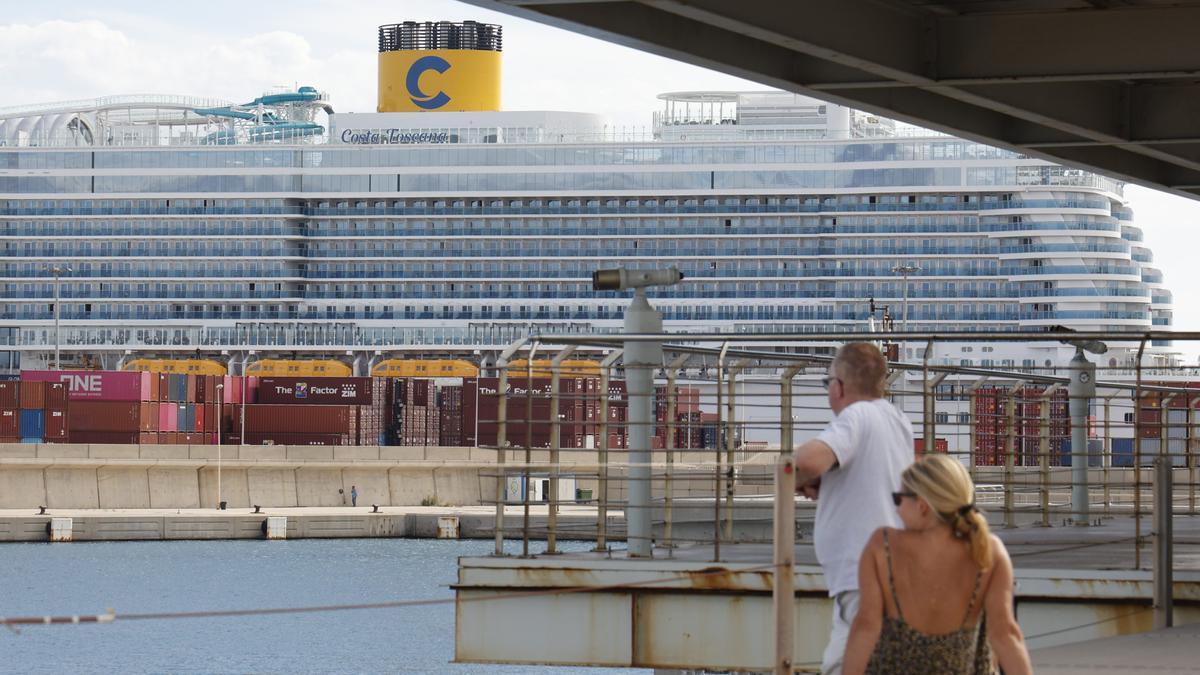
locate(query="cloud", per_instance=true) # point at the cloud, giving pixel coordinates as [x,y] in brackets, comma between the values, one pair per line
[65,60]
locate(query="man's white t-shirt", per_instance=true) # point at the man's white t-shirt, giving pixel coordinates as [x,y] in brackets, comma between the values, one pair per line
[873,442]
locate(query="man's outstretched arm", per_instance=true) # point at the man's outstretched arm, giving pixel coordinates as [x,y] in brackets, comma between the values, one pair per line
[813,458]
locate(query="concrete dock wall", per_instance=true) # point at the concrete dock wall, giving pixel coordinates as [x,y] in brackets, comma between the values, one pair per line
[66,476]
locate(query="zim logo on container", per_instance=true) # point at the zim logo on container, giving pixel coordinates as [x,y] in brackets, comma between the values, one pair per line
[413,82]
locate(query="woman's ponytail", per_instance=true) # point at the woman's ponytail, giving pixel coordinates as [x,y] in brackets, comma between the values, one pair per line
[945,484]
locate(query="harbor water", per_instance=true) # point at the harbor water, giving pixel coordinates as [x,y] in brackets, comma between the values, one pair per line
[179,576]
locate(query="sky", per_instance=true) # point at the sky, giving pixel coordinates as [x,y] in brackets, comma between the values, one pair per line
[62,50]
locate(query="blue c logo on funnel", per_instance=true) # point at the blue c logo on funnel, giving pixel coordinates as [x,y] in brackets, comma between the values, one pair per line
[413,82]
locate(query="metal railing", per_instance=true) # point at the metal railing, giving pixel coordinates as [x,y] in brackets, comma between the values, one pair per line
[724,414]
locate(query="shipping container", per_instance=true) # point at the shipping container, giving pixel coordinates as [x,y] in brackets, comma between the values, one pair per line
[148,416]
[9,396]
[315,390]
[56,396]
[33,395]
[307,419]
[89,416]
[940,446]
[56,425]
[96,385]
[106,437]
[10,422]
[286,438]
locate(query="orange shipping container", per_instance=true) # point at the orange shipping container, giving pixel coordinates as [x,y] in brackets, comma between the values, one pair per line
[148,416]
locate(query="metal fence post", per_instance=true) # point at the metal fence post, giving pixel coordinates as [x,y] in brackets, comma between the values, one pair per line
[1163,553]
[719,483]
[1137,461]
[927,404]
[1108,453]
[1191,456]
[670,446]
[602,474]
[502,436]
[1044,451]
[730,433]
[783,591]
[526,474]
[555,447]
[973,429]
[1010,414]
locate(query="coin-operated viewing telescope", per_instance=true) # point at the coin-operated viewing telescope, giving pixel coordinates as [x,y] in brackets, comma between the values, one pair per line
[642,358]
[621,279]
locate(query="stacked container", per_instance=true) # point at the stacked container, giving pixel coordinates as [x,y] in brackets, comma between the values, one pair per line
[310,411]
[43,412]
[279,424]
[414,418]
[373,418]
[450,413]
[237,392]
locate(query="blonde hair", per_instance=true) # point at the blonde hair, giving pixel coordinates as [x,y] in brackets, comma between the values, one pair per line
[861,366]
[944,483]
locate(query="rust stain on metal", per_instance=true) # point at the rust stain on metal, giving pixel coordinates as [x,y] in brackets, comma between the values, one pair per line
[713,578]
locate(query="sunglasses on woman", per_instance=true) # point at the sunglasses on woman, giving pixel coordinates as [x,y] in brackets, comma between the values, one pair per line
[898,497]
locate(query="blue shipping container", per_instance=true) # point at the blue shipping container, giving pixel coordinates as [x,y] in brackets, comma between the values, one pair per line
[1122,452]
[33,424]
[1095,453]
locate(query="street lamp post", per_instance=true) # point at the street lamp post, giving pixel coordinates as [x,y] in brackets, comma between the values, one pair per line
[57,271]
[905,270]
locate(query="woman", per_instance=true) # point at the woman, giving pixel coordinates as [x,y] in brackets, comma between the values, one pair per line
[937,594]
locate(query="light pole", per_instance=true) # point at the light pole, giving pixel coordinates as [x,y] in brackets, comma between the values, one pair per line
[57,271]
[905,270]
[220,420]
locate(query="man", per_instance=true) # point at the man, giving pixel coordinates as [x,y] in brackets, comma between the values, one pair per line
[853,466]
[353,495]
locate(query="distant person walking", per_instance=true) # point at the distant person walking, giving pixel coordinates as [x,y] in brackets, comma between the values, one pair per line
[851,468]
[353,495]
[937,594]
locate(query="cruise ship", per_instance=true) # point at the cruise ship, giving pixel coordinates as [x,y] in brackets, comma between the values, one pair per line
[160,226]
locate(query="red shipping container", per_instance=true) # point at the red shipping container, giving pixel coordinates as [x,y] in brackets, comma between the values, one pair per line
[33,395]
[316,390]
[56,396]
[9,396]
[149,416]
[96,385]
[285,438]
[10,422]
[164,386]
[124,416]
[307,419]
[148,437]
[56,425]
[106,437]
[199,422]
[211,423]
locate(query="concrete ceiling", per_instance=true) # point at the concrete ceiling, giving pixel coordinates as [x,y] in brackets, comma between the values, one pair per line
[1108,85]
